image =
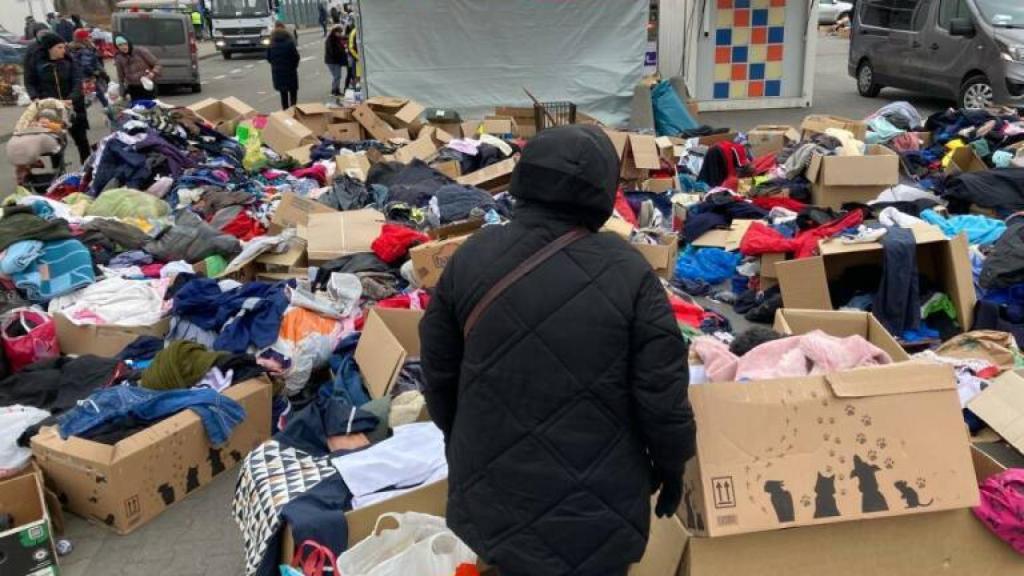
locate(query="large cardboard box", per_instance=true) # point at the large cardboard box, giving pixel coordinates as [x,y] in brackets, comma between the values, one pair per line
[223,114]
[945,262]
[128,484]
[836,180]
[1001,406]
[661,256]
[730,238]
[294,211]
[375,126]
[26,547]
[818,123]
[950,542]
[356,165]
[965,160]
[338,234]
[390,337]
[430,259]
[494,178]
[421,149]
[771,139]
[284,133]
[106,340]
[345,132]
[313,115]
[840,324]
[864,443]
[402,113]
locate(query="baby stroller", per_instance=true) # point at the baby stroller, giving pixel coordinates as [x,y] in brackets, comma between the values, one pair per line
[37,147]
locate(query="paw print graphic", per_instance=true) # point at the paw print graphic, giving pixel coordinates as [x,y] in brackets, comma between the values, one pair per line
[862,438]
[768,464]
[828,469]
[881,443]
[805,501]
[872,455]
[769,449]
[825,403]
[921,483]
[814,394]
[865,420]
[821,419]
[850,410]
[826,436]
[831,453]
[752,501]
[889,463]
[838,440]
[782,440]
[842,459]
[842,477]
[789,448]
[842,492]
[832,420]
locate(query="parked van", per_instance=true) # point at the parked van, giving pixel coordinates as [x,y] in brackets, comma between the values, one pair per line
[165,31]
[968,50]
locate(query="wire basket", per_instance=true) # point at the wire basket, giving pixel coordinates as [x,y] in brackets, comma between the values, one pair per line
[557,114]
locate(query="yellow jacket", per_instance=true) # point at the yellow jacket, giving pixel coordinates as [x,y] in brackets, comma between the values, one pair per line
[353,48]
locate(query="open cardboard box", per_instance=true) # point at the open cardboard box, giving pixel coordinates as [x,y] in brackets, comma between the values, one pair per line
[338,234]
[945,262]
[1001,406]
[356,165]
[661,256]
[638,154]
[965,160]
[818,123]
[224,114]
[313,115]
[839,323]
[771,139]
[294,211]
[836,180]
[283,133]
[374,125]
[126,485]
[729,239]
[949,542]
[102,340]
[401,112]
[430,259]
[390,337]
[26,548]
[494,178]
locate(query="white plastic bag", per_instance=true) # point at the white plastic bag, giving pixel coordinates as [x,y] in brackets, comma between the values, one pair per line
[420,545]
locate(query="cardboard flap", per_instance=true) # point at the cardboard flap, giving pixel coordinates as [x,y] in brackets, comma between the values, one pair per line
[804,284]
[1001,406]
[923,234]
[726,239]
[342,233]
[419,149]
[389,338]
[963,293]
[814,168]
[903,378]
[645,152]
[312,108]
[619,140]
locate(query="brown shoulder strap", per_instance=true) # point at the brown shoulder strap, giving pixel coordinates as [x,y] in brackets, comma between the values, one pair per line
[518,272]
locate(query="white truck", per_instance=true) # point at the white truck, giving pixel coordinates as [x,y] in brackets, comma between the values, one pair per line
[241,25]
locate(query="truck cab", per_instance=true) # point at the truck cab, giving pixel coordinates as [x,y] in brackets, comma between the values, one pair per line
[241,25]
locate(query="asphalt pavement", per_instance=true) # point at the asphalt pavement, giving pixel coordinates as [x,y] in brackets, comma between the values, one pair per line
[197,537]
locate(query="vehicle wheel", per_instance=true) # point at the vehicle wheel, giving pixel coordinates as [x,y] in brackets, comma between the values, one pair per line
[226,55]
[197,88]
[866,84]
[976,93]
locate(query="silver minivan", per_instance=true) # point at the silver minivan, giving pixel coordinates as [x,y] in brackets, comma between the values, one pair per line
[968,50]
[170,37]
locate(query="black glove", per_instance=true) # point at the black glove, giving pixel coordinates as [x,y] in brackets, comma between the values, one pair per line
[671,493]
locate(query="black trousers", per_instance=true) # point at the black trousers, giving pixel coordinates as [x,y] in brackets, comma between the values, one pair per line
[288,98]
[79,132]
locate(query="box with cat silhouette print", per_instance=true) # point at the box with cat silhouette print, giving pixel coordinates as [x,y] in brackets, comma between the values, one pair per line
[864,443]
[128,483]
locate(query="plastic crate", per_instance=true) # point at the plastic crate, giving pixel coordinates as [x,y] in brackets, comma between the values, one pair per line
[563,113]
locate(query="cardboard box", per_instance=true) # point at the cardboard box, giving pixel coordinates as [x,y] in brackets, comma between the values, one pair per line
[294,211]
[818,123]
[345,132]
[404,112]
[945,262]
[836,180]
[1001,406]
[525,118]
[965,160]
[106,340]
[662,256]
[223,114]
[26,548]
[390,336]
[501,127]
[826,448]
[641,155]
[128,484]
[712,139]
[421,149]
[314,116]
[450,168]
[429,260]
[494,178]
[283,133]
[356,165]
[771,139]
[659,185]
[375,126]
[951,542]
[794,321]
[303,154]
[339,234]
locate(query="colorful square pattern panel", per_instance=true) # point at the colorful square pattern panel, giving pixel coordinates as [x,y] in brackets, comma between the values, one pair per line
[749,47]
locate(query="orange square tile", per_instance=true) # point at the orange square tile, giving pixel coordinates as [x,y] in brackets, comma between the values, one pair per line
[775,53]
[778,3]
[739,71]
[758,35]
[741,18]
[723,55]
[724,4]
[755,89]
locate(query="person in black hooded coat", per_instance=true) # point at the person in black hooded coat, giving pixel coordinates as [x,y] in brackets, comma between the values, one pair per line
[284,65]
[567,401]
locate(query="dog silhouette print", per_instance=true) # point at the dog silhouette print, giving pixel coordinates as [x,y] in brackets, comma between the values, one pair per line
[872,499]
[782,500]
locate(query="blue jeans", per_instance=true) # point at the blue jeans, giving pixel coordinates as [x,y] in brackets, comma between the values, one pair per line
[219,413]
[335,77]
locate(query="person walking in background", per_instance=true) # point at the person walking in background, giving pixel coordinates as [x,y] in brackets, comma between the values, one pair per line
[322,16]
[65,28]
[283,56]
[336,57]
[197,23]
[556,443]
[87,57]
[137,69]
[355,67]
[57,76]
[335,15]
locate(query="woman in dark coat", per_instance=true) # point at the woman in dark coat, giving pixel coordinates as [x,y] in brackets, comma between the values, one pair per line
[566,402]
[336,57]
[56,76]
[283,56]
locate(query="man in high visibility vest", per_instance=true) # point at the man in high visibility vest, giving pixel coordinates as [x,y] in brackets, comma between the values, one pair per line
[197,23]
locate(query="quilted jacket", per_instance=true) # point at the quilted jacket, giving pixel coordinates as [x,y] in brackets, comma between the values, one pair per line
[570,392]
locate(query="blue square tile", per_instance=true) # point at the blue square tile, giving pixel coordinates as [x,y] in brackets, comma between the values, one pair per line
[759,18]
[776,35]
[742,4]
[721,90]
[757,71]
[723,37]
[773,88]
[739,54]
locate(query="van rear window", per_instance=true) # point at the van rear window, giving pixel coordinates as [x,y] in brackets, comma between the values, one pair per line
[153,31]
[892,14]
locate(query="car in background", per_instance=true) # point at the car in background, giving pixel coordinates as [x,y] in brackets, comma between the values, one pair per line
[832,11]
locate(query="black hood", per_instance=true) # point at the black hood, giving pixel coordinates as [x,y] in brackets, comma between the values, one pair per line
[572,171]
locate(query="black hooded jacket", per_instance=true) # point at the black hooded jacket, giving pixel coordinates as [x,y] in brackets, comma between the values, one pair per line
[570,392]
[284,61]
